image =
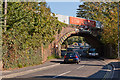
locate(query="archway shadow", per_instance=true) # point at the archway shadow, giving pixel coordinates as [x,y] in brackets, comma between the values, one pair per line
[95,76]
[100,75]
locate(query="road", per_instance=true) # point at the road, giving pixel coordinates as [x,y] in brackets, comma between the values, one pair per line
[86,69]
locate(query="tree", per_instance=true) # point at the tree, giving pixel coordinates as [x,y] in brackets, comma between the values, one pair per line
[29,25]
[105,12]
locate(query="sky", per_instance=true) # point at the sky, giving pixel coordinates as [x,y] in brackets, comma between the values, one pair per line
[64,8]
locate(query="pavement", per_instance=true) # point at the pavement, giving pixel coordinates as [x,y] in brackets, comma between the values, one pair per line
[26,70]
[50,64]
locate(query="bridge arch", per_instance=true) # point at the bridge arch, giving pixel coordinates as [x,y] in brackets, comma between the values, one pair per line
[89,37]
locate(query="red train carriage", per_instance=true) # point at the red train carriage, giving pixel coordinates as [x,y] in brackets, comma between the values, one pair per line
[82,22]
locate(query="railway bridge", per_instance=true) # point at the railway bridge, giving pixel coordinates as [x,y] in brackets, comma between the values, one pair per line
[91,37]
[89,29]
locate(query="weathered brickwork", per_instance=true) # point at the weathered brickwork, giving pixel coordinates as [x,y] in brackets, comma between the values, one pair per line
[52,48]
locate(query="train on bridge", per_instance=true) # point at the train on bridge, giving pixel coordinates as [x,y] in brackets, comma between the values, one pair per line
[80,22]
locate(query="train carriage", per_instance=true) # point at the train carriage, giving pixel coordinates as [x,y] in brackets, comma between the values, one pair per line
[80,22]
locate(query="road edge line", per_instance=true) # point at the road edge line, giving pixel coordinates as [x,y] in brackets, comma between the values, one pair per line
[109,73]
[28,71]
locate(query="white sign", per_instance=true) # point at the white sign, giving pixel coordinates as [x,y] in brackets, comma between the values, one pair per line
[56,45]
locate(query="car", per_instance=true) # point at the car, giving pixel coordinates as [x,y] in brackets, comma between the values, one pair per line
[70,49]
[71,57]
[83,53]
[81,47]
[79,52]
[92,53]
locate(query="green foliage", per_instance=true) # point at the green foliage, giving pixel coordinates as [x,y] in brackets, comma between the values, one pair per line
[105,12]
[73,39]
[53,56]
[28,26]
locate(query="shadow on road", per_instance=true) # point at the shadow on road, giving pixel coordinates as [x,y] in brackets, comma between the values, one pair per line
[44,78]
[100,75]
[91,65]
[57,61]
[96,76]
[62,62]
[116,66]
[82,59]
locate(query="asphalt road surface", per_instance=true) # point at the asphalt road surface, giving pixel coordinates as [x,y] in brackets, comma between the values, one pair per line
[87,69]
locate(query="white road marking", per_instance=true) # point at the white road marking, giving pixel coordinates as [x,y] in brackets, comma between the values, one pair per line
[5,71]
[80,67]
[110,71]
[61,74]
[113,71]
[28,71]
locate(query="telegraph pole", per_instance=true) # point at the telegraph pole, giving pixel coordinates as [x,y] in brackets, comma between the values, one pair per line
[118,32]
[5,12]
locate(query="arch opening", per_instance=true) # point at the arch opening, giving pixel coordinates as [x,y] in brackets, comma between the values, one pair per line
[89,39]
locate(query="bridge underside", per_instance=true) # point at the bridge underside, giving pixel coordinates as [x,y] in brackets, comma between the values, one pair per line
[91,37]
[94,42]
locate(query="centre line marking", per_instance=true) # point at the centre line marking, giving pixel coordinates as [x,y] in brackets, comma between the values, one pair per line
[62,74]
[80,67]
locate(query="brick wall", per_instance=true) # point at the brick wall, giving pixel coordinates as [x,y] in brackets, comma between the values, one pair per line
[51,47]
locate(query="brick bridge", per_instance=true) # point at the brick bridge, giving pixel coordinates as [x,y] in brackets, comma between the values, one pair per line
[92,37]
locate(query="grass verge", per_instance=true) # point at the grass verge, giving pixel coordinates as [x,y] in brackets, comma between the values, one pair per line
[53,57]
